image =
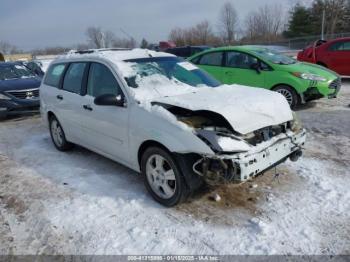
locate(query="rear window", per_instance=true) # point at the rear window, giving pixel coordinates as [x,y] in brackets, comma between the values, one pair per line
[54,74]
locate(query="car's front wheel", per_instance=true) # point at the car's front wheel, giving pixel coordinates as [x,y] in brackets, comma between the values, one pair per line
[162,177]
[289,93]
[57,135]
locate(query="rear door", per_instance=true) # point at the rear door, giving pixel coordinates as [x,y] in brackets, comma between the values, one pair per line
[106,126]
[70,99]
[50,90]
[212,63]
[238,70]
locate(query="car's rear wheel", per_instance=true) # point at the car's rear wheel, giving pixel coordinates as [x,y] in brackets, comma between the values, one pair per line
[162,177]
[289,93]
[57,135]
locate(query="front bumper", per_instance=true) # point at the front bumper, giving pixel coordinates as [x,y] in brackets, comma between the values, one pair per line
[269,155]
[19,106]
[240,167]
[318,90]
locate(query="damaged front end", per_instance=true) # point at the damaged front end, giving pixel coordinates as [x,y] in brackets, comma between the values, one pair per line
[238,157]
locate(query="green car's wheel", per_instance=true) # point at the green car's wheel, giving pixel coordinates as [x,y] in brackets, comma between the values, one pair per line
[289,93]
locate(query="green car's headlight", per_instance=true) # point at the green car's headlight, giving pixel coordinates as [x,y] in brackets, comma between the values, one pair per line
[309,76]
[296,125]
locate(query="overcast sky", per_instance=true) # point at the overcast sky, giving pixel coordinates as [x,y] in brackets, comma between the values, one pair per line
[40,23]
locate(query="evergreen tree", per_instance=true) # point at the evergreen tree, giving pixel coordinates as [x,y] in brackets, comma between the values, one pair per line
[144,44]
[299,23]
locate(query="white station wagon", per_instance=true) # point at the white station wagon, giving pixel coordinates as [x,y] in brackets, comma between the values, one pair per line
[167,119]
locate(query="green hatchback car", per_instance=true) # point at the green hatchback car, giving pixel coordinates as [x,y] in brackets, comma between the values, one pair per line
[261,67]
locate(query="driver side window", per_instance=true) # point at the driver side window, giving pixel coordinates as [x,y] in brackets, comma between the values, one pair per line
[240,60]
[101,81]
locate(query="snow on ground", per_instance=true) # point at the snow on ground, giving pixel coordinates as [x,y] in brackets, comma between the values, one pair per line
[81,203]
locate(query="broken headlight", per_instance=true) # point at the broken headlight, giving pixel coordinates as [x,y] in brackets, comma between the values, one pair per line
[223,143]
[296,125]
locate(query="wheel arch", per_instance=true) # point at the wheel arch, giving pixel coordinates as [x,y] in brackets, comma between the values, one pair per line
[147,144]
[299,95]
[192,180]
[49,115]
[322,64]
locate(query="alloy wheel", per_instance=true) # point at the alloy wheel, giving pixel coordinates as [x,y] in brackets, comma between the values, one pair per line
[161,176]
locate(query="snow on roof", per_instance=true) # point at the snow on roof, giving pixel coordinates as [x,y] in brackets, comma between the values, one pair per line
[114,55]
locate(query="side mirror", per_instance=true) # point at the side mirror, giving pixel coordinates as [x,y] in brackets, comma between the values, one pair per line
[256,67]
[110,100]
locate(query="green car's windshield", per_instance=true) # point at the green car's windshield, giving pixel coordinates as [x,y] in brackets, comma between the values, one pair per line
[12,71]
[174,68]
[274,57]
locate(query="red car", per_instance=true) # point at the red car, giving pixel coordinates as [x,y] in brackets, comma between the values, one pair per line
[333,54]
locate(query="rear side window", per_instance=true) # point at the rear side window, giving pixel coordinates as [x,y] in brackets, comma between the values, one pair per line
[54,75]
[101,81]
[73,79]
[212,59]
[340,46]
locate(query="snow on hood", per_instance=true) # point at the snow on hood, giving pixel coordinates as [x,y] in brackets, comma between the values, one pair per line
[246,108]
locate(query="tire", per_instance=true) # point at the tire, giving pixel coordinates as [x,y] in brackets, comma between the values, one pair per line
[3,116]
[163,178]
[289,93]
[57,135]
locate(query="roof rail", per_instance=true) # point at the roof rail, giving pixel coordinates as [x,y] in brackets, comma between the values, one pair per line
[90,51]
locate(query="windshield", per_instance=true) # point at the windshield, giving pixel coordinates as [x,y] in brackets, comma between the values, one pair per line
[173,68]
[8,72]
[275,57]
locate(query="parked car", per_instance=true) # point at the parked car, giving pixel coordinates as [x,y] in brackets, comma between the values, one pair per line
[19,90]
[33,66]
[166,118]
[260,67]
[186,51]
[333,54]
[165,45]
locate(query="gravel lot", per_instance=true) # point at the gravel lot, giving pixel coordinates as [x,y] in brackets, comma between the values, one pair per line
[81,203]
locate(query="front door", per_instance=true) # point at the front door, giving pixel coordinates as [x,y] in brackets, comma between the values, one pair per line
[238,69]
[106,126]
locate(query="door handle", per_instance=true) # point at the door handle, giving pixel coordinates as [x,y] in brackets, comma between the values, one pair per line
[59,97]
[87,107]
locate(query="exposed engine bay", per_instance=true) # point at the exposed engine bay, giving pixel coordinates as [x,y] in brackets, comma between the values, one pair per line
[239,157]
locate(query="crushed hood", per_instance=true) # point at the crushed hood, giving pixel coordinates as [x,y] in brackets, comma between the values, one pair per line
[246,108]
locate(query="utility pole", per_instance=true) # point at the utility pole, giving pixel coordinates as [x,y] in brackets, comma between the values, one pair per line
[323,22]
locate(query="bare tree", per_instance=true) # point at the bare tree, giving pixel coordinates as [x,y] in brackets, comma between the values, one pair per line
[95,37]
[228,23]
[177,35]
[200,34]
[265,24]
[5,47]
[124,43]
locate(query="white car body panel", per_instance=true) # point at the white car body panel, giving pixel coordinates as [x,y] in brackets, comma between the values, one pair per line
[119,132]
